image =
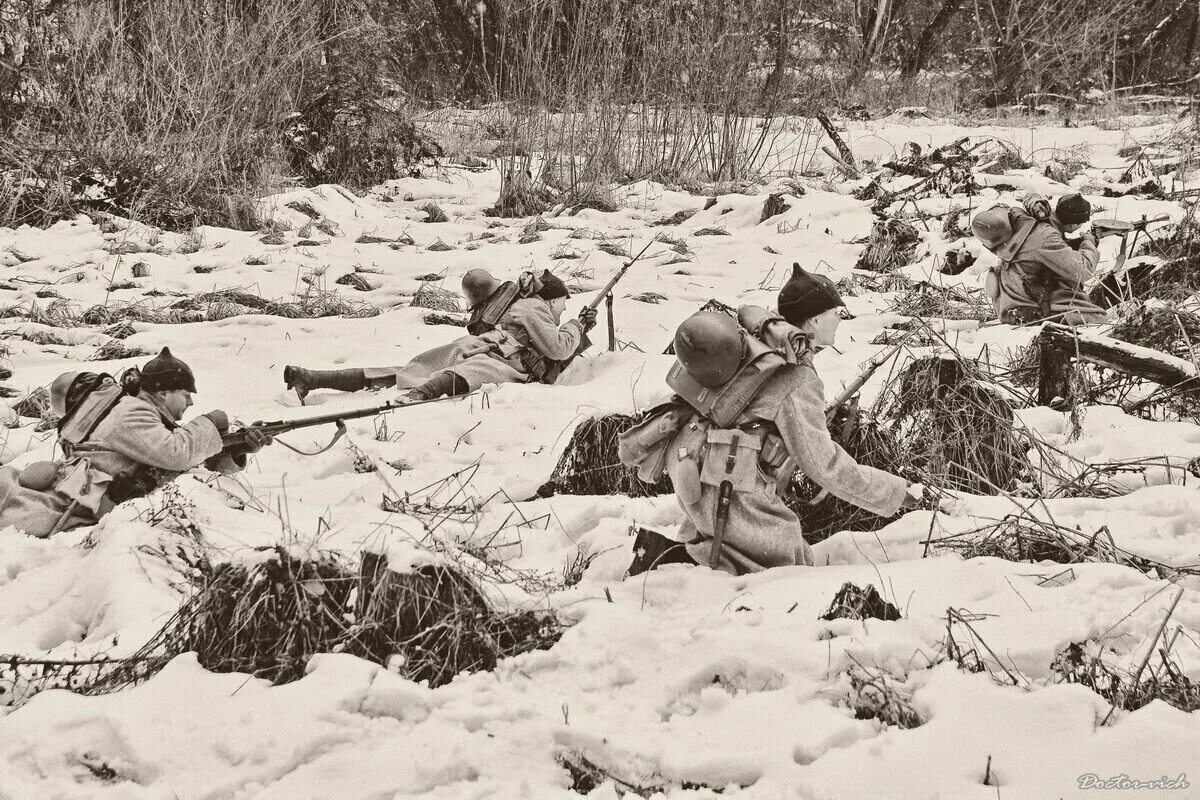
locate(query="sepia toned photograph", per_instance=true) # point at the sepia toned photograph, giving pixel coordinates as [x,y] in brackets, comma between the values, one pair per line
[608,399]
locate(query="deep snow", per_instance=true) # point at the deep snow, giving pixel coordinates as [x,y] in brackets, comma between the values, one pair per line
[678,676]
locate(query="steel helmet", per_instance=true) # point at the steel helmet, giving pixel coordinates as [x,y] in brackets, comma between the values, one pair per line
[477,286]
[59,390]
[710,345]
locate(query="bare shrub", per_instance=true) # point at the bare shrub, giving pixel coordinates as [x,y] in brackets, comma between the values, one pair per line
[169,125]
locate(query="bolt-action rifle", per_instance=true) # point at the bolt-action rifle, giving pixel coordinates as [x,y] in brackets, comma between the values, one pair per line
[234,440]
[146,479]
[556,369]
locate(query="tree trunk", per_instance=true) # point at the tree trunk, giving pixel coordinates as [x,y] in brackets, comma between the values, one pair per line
[918,57]
[779,40]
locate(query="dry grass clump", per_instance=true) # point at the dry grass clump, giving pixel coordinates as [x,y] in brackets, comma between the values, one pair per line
[925,300]
[436,298]
[35,405]
[587,774]
[115,349]
[854,602]
[520,196]
[872,697]
[892,244]
[1163,328]
[206,306]
[1026,539]
[269,619]
[434,213]
[590,465]
[956,425]
[1083,663]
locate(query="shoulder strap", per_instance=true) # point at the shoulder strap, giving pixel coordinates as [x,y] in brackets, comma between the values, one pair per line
[1007,251]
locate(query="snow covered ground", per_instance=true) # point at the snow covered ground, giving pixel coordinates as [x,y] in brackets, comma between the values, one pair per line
[679,678]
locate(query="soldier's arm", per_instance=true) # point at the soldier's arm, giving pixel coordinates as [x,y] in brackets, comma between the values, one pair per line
[143,438]
[1065,261]
[556,343]
[801,422]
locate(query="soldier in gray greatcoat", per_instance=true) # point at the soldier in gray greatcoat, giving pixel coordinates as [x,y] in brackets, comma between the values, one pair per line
[730,462]
[1041,273]
[514,336]
[141,432]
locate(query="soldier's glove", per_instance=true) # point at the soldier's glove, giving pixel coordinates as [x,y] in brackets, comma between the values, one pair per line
[256,440]
[220,419]
[914,497]
[587,318]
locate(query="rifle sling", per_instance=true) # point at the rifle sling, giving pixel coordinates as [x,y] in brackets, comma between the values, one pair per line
[341,431]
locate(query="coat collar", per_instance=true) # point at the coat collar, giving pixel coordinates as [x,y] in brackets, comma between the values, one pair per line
[165,415]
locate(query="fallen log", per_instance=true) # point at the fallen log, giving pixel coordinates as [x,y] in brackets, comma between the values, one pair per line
[1059,345]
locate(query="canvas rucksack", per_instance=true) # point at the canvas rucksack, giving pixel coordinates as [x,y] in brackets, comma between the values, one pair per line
[89,399]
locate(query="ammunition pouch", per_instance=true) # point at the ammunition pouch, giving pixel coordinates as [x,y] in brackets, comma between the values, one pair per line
[644,445]
[750,458]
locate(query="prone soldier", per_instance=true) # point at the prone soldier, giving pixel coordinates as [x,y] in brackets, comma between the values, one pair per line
[120,440]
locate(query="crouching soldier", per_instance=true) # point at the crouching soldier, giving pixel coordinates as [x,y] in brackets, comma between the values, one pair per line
[514,335]
[1040,275]
[749,411]
[120,441]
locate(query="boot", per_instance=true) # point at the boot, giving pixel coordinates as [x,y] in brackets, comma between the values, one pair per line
[444,383]
[305,380]
[651,550]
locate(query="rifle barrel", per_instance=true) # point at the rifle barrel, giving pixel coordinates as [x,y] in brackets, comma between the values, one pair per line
[283,426]
[599,298]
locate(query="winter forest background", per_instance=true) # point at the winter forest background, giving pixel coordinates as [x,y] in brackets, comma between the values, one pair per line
[179,111]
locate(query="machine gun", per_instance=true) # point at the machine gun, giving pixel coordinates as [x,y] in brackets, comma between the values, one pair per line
[1119,227]
[1114,284]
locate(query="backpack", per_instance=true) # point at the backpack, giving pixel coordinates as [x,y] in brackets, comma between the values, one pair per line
[1003,230]
[91,398]
[725,403]
[486,316]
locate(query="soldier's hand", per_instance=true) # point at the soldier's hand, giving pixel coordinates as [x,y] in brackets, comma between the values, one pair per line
[474,349]
[256,440]
[587,318]
[913,497]
[220,419]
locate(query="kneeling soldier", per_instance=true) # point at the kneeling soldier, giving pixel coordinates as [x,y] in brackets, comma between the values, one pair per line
[749,411]
[120,442]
